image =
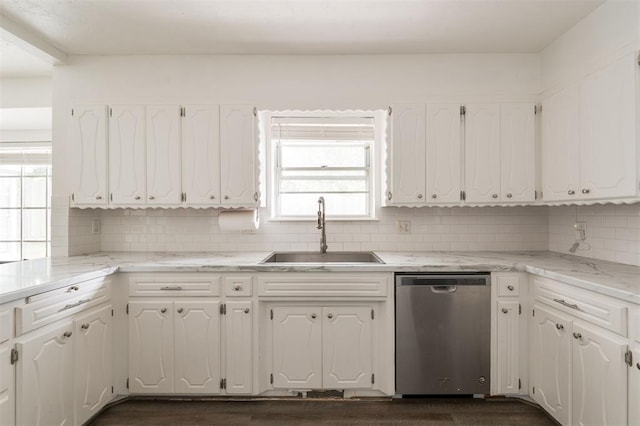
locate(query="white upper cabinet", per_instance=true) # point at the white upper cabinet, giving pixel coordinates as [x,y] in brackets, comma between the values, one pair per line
[407,155]
[608,126]
[482,153]
[443,154]
[238,156]
[517,152]
[89,154]
[163,155]
[201,155]
[127,154]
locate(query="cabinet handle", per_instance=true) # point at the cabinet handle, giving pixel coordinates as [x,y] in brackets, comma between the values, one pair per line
[137,197]
[419,196]
[330,316]
[98,197]
[434,196]
[510,287]
[568,305]
[509,195]
[180,310]
[313,316]
[171,287]
[246,310]
[85,326]
[255,196]
[226,197]
[505,311]
[237,288]
[389,195]
[560,326]
[151,197]
[638,365]
[577,335]
[212,197]
[163,310]
[494,195]
[74,305]
[73,288]
[571,192]
[67,334]
[585,191]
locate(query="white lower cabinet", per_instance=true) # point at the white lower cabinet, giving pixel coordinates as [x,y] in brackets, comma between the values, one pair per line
[239,347]
[93,362]
[7,387]
[634,385]
[45,377]
[508,356]
[318,347]
[578,371]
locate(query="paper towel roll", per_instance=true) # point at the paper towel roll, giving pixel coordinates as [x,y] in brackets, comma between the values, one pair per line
[239,220]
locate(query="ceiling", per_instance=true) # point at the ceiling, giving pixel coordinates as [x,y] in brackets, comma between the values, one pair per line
[123,27]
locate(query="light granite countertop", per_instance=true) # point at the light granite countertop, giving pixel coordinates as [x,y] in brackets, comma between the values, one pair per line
[23,279]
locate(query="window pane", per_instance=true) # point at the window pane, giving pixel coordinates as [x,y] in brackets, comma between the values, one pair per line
[336,204]
[34,191]
[325,185]
[10,225]
[34,226]
[9,252]
[35,170]
[34,250]
[9,170]
[328,155]
[9,192]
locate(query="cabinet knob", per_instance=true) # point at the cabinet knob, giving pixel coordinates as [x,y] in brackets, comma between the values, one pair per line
[560,326]
[585,191]
[246,310]
[137,197]
[226,197]
[151,197]
[163,310]
[73,288]
[419,196]
[255,196]
[85,326]
[180,310]
[434,196]
[510,288]
[212,197]
[505,311]
[237,288]
[494,195]
[509,195]
[67,334]
[638,365]
[571,192]
[389,195]
[330,316]
[98,197]
[313,316]
[577,335]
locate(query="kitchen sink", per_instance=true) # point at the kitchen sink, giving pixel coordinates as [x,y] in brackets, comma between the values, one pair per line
[316,257]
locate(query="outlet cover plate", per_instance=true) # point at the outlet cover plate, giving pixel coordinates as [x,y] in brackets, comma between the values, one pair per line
[403,227]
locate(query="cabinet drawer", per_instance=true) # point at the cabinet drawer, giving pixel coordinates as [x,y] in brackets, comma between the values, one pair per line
[37,314]
[174,285]
[598,309]
[6,325]
[70,290]
[327,285]
[238,286]
[508,284]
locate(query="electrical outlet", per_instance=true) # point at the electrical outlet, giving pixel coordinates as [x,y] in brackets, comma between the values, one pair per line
[580,230]
[95,226]
[404,227]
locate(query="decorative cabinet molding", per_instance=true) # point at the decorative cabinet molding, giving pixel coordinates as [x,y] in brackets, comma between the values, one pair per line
[482,153]
[163,155]
[443,154]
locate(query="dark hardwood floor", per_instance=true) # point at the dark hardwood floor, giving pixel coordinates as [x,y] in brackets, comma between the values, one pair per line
[414,411]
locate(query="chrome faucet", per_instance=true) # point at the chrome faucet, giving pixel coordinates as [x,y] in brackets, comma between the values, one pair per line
[322,225]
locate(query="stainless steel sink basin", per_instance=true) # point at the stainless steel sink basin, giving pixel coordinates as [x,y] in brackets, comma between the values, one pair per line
[316,257]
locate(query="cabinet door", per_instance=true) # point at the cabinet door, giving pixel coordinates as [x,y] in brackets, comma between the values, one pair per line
[561,146]
[482,153]
[45,378]
[238,156]
[163,155]
[7,387]
[239,340]
[297,347]
[197,347]
[151,347]
[550,362]
[443,154]
[347,347]
[608,121]
[634,385]
[407,177]
[201,154]
[508,347]
[89,154]
[127,154]
[599,377]
[517,152]
[92,363]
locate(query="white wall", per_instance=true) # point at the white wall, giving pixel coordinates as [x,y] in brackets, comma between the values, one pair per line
[25,92]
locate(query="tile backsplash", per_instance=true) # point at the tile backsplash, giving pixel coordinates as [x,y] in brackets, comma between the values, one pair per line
[432,229]
[613,231]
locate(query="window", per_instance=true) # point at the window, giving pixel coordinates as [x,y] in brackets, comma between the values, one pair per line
[25,206]
[316,156]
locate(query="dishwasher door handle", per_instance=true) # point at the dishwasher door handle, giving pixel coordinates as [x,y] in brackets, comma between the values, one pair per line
[444,288]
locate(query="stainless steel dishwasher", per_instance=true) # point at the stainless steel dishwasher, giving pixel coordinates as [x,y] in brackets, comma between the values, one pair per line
[442,333]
